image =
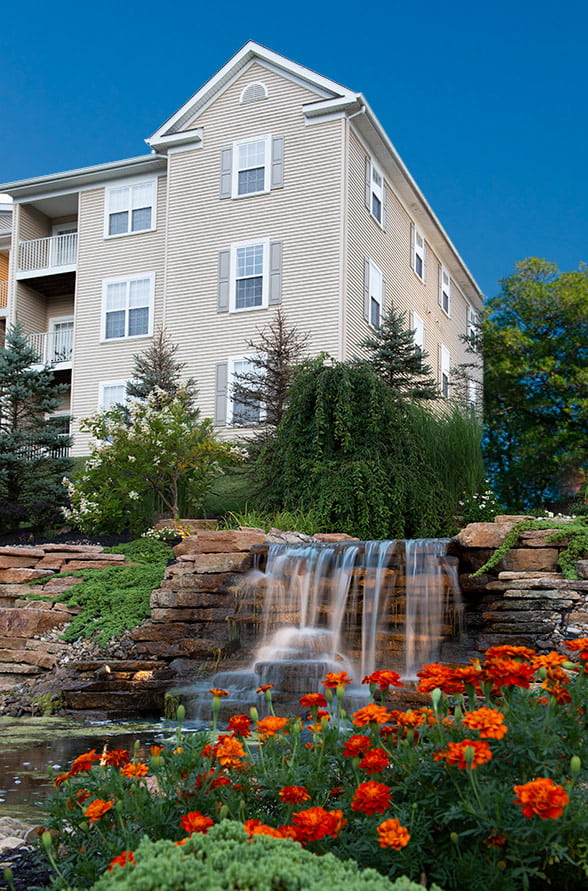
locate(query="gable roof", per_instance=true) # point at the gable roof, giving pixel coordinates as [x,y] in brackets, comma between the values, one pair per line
[325,89]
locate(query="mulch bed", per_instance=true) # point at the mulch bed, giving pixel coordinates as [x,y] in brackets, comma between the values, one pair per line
[30,870]
[65,537]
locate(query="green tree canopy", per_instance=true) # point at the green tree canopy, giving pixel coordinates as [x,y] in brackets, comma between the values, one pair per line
[33,448]
[157,369]
[535,345]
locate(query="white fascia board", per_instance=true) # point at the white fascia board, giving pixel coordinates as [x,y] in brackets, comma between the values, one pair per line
[322,107]
[251,52]
[84,178]
[184,138]
[372,120]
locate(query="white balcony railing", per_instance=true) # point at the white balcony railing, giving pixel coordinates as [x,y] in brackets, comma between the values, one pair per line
[48,254]
[3,295]
[52,347]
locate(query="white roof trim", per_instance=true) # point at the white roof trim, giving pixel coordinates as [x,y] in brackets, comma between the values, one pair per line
[185,137]
[251,52]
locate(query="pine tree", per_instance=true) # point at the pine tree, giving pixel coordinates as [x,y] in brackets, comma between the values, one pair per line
[157,368]
[32,444]
[398,360]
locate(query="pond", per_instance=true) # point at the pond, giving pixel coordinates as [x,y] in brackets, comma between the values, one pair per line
[29,747]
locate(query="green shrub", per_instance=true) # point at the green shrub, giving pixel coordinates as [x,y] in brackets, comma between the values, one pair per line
[225,858]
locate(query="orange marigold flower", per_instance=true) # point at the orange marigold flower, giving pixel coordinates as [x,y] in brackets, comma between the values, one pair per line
[294,794]
[356,745]
[217,693]
[264,688]
[383,679]
[61,778]
[371,798]
[240,725]
[97,809]
[156,750]
[315,823]
[270,726]
[541,798]
[194,821]
[580,645]
[256,827]
[548,660]
[457,753]
[310,700]
[374,760]
[118,757]
[122,859]
[489,721]
[229,751]
[448,680]
[507,651]
[509,673]
[83,762]
[410,718]
[135,770]
[393,835]
[336,679]
[496,840]
[369,714]
[558,691]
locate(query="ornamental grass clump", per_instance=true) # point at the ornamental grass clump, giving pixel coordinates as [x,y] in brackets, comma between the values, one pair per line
[484,790]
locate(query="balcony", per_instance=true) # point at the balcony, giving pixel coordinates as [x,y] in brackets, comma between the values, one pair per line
[47,256]
[53,348]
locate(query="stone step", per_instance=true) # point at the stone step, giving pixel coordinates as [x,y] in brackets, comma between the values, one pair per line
[116,702]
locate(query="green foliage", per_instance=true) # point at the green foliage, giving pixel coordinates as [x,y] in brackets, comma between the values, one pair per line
[534,339]
[366,463]
[225,858]
[157,369]
[305,521]
[31,469]
[157,446]
[574,532]
[396,358]
[232,491]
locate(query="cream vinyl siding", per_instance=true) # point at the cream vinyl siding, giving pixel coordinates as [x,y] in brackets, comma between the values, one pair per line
[304,215]
[102,258]
[31,309]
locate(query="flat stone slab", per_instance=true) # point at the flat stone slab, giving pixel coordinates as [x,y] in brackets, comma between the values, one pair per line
[22,551]
[530,560]
[539,583]
[29,622]
[15,576]
[484,535]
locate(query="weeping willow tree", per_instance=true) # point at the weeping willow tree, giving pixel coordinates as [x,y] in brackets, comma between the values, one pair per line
[366,463]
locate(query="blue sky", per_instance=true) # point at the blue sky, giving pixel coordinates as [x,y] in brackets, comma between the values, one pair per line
[486,102]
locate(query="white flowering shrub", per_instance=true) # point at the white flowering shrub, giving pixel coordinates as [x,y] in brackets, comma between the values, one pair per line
[481,507]
[151,446]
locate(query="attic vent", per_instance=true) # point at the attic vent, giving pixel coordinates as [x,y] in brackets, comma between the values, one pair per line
[253,92]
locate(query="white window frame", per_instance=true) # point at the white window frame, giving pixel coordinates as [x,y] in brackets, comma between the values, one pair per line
[472,392]
[418,325]
[445,290]
[109,385]
[127,279]
[375,292]
[129,185]
[377,190]
[444,370]
[419,251]
[265,244]
[472,323]
[232,361]
[267,164]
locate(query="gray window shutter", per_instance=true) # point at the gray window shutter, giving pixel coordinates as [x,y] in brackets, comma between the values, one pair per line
[368,184]
[412,247]
[226,172]
[384,289]
[277,162]
[385,207]
[275,291]
[220,404]
[224,270]
[366,290]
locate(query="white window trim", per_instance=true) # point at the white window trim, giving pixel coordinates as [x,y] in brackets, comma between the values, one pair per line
[378,191]
[444,274]
[375,274]
[127,279]
[472,322]
[418,325]
[418,251]
[444,369]
[265,275]
[232,361]
[267,165]
[103,385]
[128,184]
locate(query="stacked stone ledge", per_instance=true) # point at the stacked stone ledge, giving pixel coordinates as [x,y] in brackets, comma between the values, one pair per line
[524,600]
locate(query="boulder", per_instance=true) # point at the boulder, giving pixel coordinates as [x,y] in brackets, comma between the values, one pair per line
[530,560]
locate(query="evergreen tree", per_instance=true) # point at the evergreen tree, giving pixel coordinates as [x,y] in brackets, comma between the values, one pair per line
[157,369]
[32,465]
[396,358]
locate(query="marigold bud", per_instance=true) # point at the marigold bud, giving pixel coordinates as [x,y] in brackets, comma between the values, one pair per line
[180,713]
[575,765]
[436,697]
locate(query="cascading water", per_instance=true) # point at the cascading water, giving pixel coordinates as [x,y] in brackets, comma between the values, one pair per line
[346,606]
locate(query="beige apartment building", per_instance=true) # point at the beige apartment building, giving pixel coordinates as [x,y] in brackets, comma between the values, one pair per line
[272,186]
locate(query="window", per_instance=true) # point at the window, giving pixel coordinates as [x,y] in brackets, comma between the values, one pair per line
[373,294]
[241,413]
[472,325]
[127,307]
[418,326]
[444,367]
[111,393]
[252,167]
[250,276]
[444,290]
[418,253]
[472,392]
[375,195]
[130,208]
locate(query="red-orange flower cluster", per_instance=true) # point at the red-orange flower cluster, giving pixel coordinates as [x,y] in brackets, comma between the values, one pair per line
[489,721]
[217,693]
[374,760]
[509,672]
[448,680]
[541,798]
[83,762]
[135,770]
[315,823]
[122,859]
[336,679]
[313,700]
[194,821]
[229,751]
[240,725]
[270,726]
[580,645]
[461,753]
[97,809]
[377,714]
[294,794]
[371,798]
[118,757]
[356,745]
[393,835]
[383,679]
